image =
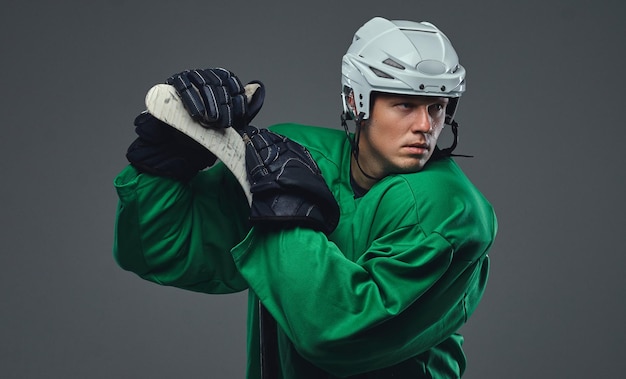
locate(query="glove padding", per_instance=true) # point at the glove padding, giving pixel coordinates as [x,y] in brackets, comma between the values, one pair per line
[216,98]
[286,184]
[164,151]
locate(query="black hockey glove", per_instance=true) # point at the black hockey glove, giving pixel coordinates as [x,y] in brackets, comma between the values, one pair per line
[162,150]
[216,98]
[286,184]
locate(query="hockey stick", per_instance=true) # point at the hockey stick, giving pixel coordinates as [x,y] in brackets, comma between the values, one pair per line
[228,146]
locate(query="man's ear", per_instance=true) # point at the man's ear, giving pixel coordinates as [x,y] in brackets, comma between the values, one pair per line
[351,103]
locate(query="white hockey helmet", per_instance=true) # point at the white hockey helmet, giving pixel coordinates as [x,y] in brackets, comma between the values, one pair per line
[401,57]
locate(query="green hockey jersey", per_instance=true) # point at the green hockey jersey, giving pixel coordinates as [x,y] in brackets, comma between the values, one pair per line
[383,296]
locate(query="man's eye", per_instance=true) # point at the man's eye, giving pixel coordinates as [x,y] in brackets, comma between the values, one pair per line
[436,108]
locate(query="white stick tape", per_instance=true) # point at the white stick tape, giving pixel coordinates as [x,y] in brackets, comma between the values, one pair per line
[163,103]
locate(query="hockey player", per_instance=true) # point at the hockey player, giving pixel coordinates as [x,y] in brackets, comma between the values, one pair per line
[369,251]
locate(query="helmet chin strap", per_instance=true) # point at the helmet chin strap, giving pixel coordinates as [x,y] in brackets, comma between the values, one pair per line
[354,142]
[447,152]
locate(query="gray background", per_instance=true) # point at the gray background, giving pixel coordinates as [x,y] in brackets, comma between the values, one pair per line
[545,90]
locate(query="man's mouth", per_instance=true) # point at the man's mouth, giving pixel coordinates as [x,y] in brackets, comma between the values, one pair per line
[418,146]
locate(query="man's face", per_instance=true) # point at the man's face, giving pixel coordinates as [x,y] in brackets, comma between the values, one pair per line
[401,133]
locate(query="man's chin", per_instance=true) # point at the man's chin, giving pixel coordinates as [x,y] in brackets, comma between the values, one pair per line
[409,169]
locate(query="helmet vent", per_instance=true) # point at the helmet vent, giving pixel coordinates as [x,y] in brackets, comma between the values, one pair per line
[380,74]
[392,63]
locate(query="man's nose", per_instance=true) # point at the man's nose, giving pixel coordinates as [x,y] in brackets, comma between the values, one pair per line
[422,121]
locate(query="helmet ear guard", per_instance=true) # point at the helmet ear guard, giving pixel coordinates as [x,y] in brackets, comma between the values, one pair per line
[453,104]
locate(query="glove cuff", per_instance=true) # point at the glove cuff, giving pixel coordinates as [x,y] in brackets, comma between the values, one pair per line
[287,209]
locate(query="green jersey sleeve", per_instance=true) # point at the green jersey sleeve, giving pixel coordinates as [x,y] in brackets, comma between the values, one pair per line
[179,234]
